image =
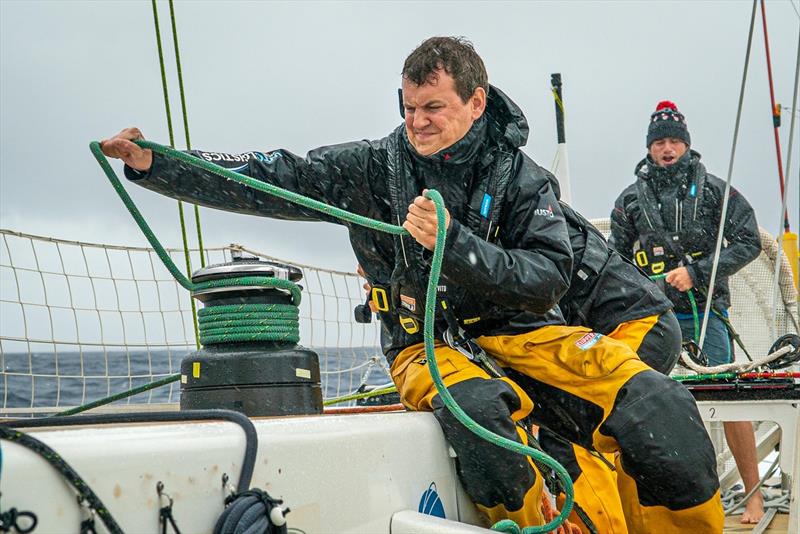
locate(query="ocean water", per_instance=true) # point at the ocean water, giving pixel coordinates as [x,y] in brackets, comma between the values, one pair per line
[70,378]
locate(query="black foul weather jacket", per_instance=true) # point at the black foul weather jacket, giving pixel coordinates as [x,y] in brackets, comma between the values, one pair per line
[606,289]
[672,215]
[507,260]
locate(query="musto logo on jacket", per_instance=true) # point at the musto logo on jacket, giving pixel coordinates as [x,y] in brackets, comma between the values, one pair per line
[544,212]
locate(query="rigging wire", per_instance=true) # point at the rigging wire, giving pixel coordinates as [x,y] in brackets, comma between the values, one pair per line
[776,113]
[726,195]
[165,90]
[784,209]
[185,121]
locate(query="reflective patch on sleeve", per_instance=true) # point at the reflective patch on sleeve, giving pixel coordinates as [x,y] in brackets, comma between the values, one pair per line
[485,205]
[238,162]
[588,340]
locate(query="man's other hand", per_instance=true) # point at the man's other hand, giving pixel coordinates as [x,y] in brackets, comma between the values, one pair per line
[680,279]
[121,147]
[421,221]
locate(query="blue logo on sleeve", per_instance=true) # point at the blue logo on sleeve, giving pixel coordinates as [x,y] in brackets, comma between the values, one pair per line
[485,205]
[430,503]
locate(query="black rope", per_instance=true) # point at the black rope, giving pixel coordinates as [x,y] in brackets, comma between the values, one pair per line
[87,526]
[165,516]
[165,512]
[60,465]
[251,438]
[9,520]
[252,511]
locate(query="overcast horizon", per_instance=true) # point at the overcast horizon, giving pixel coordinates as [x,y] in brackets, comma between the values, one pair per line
[266,75]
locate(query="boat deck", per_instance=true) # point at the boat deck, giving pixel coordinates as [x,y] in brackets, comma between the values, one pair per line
[779,525]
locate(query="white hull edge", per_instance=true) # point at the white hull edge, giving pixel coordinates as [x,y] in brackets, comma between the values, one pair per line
[337,473]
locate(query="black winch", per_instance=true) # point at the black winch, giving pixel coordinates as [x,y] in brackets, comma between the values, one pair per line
[250,361]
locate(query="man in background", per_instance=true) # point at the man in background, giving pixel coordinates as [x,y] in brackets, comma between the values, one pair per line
[672,213]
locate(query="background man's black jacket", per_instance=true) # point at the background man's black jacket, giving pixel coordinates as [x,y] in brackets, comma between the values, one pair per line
[688,200]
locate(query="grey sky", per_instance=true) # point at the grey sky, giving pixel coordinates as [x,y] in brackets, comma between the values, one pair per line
[262,75]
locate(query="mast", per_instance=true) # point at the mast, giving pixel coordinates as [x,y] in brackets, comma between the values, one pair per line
[561,164]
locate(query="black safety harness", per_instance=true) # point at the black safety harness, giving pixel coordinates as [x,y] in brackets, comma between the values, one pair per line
[669,243]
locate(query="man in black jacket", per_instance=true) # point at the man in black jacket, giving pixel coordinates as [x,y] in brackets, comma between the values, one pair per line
[668,221]
[507,262]
[609,295]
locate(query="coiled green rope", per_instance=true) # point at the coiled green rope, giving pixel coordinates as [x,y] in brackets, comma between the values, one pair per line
[249,322]
[430,301]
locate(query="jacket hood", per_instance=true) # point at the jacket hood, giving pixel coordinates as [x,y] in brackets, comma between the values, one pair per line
[507,123]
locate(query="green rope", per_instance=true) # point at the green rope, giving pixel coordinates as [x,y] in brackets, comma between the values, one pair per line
[452,405]
[430,302]
[249,322]
[118,396]
[713,376]
[270,189]
[356,396]
[181,218]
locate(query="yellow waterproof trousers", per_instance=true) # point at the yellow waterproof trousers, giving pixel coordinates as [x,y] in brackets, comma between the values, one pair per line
[593,391]
[657,341]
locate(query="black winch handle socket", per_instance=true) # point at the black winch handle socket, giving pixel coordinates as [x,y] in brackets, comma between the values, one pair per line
[363,313]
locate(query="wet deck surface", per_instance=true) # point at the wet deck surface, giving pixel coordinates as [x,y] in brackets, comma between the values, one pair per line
[779,525]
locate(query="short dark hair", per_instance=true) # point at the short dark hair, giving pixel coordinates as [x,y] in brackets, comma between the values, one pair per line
[456,56]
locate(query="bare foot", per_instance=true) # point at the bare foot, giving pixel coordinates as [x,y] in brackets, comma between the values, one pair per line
[753,510]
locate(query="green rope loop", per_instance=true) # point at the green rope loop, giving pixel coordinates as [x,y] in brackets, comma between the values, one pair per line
[430,301]
[248,309]
[249,322]
[243,337]
[356,396]
[263,281]
[125,394]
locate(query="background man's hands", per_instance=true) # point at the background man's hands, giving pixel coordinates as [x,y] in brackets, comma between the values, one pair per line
[680,279]
[121,147]
[421,221]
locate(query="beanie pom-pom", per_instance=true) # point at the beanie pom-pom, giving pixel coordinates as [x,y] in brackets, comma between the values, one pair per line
[666,104]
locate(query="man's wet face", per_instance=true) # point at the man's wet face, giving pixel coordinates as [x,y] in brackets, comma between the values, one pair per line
[436,117]
[665,152]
